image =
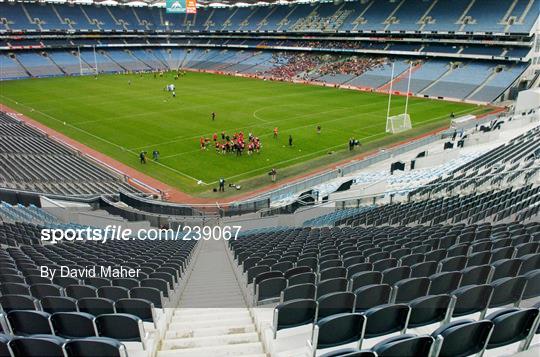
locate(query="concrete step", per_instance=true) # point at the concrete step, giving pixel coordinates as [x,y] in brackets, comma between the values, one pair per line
[229,304]
[207,284]
[196,342]
[209,331]
[212,315]
[211,318]
[244,349]
[217,323]
[195,310]
[209,302]
[205,294]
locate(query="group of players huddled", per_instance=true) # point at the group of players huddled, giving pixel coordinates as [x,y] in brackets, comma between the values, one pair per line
[237,143]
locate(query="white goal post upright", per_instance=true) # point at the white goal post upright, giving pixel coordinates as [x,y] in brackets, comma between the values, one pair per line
[95,61]
[80,61]
[408,88]
[390,91]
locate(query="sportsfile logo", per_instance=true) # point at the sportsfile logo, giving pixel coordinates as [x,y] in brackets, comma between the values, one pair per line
[119,233]
[176,6]
[181,6]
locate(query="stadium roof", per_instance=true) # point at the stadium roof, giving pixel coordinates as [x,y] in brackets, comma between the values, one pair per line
[161,3]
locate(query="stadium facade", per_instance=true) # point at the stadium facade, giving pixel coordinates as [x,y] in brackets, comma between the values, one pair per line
[464,50]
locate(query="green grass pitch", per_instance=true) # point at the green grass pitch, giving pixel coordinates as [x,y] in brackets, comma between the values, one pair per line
[121,119]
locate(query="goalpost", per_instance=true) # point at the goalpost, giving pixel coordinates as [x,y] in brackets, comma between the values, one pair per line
[401,122]
[86,67]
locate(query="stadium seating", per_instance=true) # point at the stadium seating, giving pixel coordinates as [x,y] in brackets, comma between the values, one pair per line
[466,78]
[483,82]
[44,167]
[412,15]
[295,245]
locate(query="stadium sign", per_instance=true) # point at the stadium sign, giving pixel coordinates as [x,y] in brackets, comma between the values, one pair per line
[181,6]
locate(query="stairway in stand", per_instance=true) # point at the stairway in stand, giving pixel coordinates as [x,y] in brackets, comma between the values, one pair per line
[212,318]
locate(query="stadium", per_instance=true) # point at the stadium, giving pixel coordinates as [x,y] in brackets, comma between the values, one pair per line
[270,178]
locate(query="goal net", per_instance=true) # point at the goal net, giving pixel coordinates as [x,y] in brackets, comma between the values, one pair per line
[398,123]
[87,70]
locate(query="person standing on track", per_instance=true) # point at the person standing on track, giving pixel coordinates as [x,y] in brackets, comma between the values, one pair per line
[273,174]
[290,140]
[213,116]
[222,185]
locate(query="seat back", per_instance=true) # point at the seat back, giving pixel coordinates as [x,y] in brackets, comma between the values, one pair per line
[7,288]
[123,327]
[430,309]
[113,293]
[475,275]
[532,288]
[358,268]
[506,268]
[338,330]
[372,295]
[335,303]
[95,346]
[444,283]
[137,307]
[266,275]
[41,290]
[365,278]
[462,338]
[529,262]
[151,294]
[81,291]
[393,275]
[404,345]
[452,263]
[302,278]
[25,322]
[17,302]
[512,325]
[294,313]
[159,284]
[331,286]
[270,288]
[73,324]
[385,319]
[127,283]
[332,273]
[96,306]
[471,299]
[410,289]
[423,269]
[507,291]
[97,282]
[302,291]
[37,346]
[52,304]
